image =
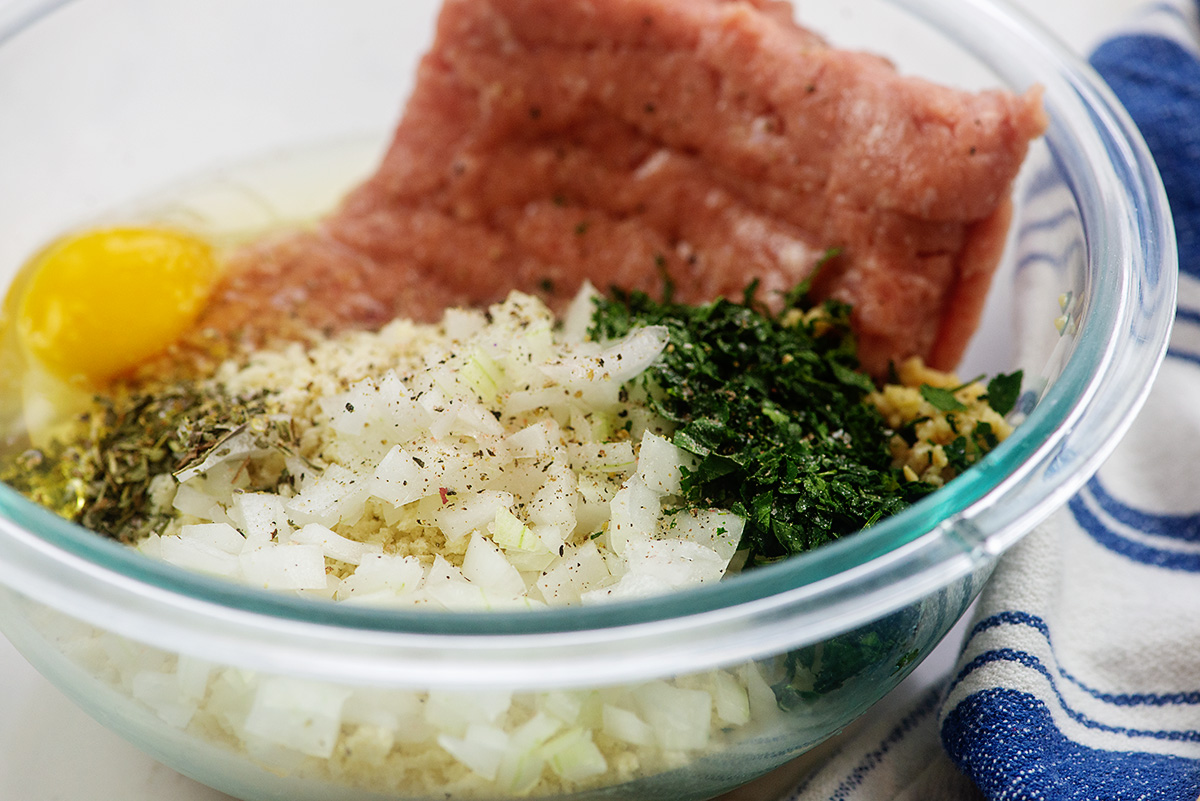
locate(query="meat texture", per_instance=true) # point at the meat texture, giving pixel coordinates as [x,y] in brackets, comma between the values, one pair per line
[623,141]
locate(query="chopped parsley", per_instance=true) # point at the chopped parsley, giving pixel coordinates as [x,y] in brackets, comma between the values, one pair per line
[1003,392]
[819,669]
[772,407]
[942,399]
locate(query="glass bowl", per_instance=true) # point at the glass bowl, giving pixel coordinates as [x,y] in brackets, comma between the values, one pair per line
[264,111]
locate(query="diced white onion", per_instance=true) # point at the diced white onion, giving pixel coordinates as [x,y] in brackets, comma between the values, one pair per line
[298,714]
[333,545]
[472,512]
[574,756]
[197,555]
[485,566]
[625,725]
[680,718]
[221,536]
[660,462]
[284,567]
[480,749]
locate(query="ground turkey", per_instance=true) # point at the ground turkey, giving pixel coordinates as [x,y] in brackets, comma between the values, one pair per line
[714,141]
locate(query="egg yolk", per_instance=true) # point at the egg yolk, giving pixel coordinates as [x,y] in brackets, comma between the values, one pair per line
[102,302]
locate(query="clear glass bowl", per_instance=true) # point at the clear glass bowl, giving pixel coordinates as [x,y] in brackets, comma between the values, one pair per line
[110,102]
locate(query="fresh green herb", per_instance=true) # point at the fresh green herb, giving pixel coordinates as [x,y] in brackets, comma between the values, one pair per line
[774,410]
[668,284]
[942,399]
[908,431]
[819,669]
[1003,391]
[964,451]
[797,296]
[906,659]
[958,453]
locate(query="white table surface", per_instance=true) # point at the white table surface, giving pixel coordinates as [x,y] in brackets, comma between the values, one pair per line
[51,751]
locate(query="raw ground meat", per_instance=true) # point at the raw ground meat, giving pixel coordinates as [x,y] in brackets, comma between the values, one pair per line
[714,141]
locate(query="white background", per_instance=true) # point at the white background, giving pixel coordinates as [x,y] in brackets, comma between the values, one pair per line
[50,751]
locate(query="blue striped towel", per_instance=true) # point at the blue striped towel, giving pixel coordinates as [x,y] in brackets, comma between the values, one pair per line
[1079,678]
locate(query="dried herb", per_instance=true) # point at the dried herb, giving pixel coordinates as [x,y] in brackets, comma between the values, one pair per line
[101,476]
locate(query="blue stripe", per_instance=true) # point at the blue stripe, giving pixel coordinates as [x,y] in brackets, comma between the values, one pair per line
[1057,260]
[1019,618]
[1043,181]
[1187,315]
[1158,81]
[1183,356]
[927,705]
[1006,742]
[1185,527]
[1030,661]
[1051,222]
[1130,549]
[1035,256]
[1167,8]
[1010,618]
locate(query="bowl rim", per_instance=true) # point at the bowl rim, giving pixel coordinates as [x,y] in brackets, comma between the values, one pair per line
[940,539]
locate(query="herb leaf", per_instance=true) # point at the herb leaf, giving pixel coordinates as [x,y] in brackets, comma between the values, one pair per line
[774,410]
[798,296]
[942,399]
[1003,392]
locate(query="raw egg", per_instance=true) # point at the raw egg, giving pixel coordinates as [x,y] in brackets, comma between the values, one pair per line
[99,303]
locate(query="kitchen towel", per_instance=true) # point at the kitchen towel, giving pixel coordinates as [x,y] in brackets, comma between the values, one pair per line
[1079,676]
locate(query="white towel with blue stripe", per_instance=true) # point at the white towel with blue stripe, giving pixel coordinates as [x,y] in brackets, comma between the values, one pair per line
[1079,678]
